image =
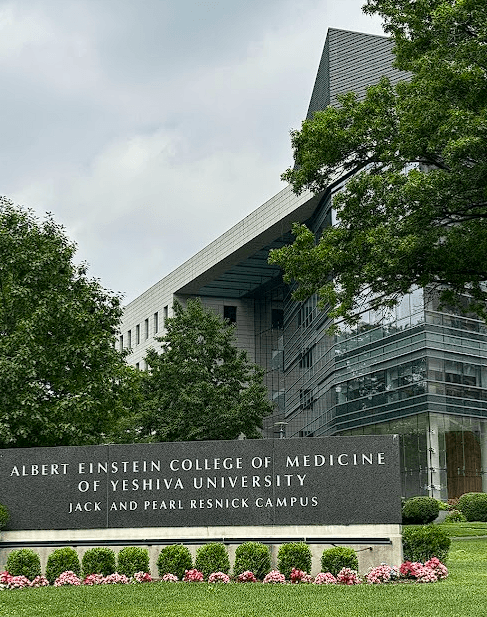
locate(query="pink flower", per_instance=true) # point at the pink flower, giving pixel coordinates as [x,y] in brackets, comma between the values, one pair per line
[246,577]
[325,578]
[193,576]
[218,577]
[94,579]
[142,577]
[115,579]
[40,581]
[408,568]
[5,577]
[18,582]
[67,578]
[438,568]
[347,576]
[430,572]
[379,574]
[170,578]
[296,575]
[274,577]
[425,575]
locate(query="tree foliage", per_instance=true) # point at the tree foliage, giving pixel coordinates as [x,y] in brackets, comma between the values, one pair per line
[61,380]
[201,386]
[414,211]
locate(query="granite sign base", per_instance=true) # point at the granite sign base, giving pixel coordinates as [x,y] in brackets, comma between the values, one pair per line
[375,544]
[342,491]
[258,482]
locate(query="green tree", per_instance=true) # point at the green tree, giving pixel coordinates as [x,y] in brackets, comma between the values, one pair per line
[201,386]
[414,211]
[61,380]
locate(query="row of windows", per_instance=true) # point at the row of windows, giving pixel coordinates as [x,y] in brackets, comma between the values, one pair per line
[141,332]
[413,375]
[410,379]
[471,397]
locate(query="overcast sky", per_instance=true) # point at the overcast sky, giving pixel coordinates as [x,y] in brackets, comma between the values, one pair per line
[149,127]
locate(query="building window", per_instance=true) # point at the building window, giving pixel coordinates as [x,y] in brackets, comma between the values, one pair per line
[137,334]
[230,313]
[305,315]
[166,313]
[156,323]
[129,339]
[278,397]
[306,360]
[277,360]
[277,318]
[121,342]
[146,329]
[306,399]
[137,366]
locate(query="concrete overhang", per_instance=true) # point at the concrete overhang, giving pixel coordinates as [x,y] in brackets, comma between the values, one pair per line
[245,268]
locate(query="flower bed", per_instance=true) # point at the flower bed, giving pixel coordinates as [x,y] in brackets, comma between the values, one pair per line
[429,572]
[7,581]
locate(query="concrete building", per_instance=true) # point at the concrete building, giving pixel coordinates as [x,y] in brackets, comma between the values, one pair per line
[416,371]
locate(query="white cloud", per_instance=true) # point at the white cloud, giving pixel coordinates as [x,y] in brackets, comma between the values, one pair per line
[51,54]
[145,208]
[149,131]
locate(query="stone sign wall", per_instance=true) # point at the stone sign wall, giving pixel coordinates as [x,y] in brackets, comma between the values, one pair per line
[319,481]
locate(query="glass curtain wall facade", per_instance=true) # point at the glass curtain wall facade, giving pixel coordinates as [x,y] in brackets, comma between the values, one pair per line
[417,370]
[268,323]
[413,370]
[442,455]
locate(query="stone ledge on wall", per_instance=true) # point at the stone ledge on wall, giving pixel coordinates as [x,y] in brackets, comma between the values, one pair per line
[375,544]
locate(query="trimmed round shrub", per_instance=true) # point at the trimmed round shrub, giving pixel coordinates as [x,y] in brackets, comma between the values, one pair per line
[4,516]
[423,543]
[455,516]
[174,559]
[293,555]
[254,557]
[212,557]
[420,510]
[338,557]
[132,559]
[99,560]
[473,506]
[24,562]
[62,560]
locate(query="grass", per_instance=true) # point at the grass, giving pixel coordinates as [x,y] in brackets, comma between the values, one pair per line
[463,530]
[463,593]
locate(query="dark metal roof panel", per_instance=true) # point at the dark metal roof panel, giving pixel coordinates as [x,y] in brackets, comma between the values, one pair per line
[351,62]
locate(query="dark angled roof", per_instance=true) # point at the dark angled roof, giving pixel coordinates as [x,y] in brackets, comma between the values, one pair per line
[351,62]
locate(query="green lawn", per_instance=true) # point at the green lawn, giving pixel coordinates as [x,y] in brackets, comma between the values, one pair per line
[462,530]
[463,593]
[458,530]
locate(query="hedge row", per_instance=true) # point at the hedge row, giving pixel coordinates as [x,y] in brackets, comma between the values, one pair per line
[419,544]
[423,510]
[176,559]
[101,560]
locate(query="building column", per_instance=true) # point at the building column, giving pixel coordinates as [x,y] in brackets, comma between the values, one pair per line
[433,458]
[483,454]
